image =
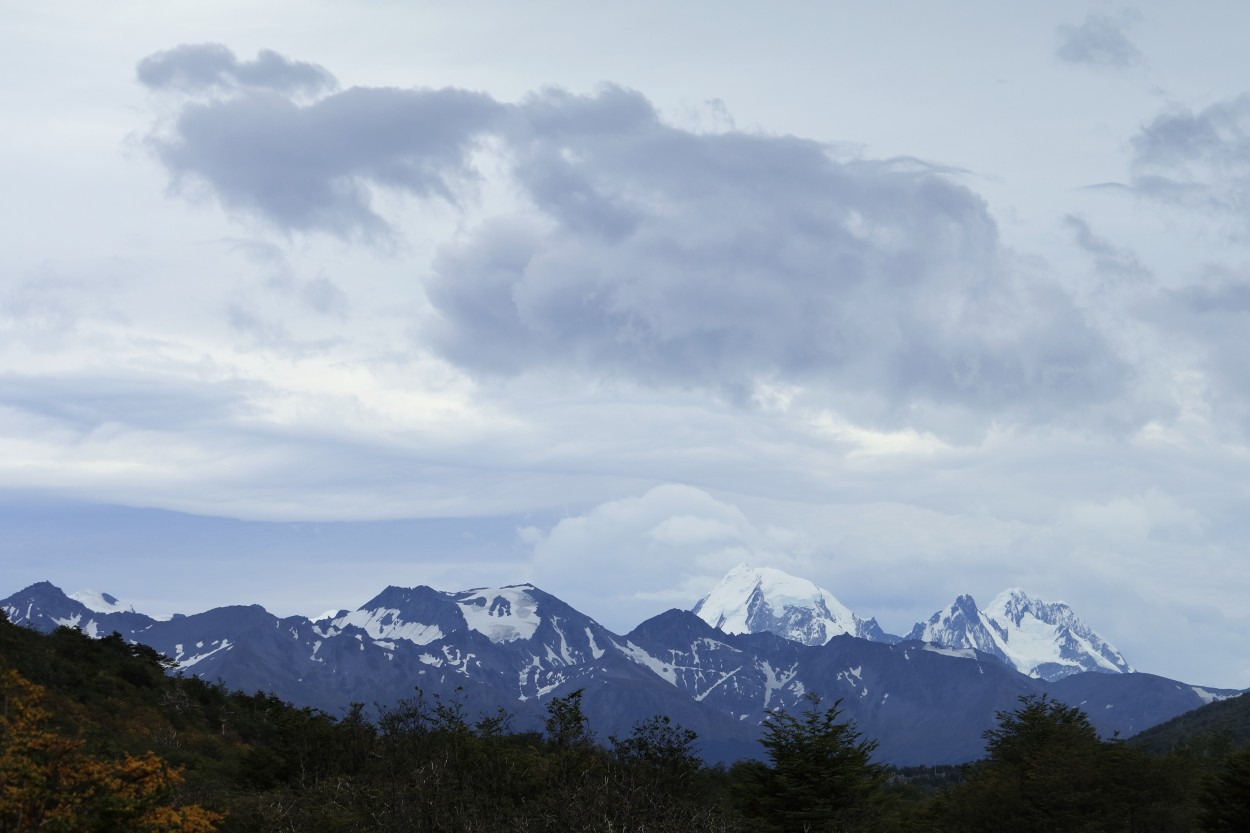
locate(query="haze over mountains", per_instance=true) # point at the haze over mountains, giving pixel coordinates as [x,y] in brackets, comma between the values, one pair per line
[761,639]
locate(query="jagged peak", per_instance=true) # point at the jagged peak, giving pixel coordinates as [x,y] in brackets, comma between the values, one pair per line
[1014,603]
[1039,638]
[42,587]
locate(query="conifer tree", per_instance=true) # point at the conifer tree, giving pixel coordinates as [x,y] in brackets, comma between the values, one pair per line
[821,776]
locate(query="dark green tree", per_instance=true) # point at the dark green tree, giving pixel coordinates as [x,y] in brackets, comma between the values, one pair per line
[1048,770]
[567,725]
[821,776]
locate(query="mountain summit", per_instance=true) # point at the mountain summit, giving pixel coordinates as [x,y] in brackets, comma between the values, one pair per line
[1044,640]
[762,599]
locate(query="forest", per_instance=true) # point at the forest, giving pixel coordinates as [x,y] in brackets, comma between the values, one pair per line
[98,735]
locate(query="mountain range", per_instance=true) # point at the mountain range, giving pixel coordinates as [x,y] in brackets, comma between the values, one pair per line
[760,640]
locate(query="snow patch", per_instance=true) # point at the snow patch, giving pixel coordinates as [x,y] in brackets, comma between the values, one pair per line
[663,670]
[775,680]
[223,645]
[1209,696]
[595,650]
[101,602]
[961,653]
[504,614]
[385,623]
[701,697]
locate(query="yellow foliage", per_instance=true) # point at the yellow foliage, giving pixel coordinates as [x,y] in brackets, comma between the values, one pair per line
[50,783]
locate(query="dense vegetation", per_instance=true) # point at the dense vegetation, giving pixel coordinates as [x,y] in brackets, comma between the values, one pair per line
[1214,729]
[95,735]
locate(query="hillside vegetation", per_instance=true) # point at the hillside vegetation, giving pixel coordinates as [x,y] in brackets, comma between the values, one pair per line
[1215,729]
[97,736]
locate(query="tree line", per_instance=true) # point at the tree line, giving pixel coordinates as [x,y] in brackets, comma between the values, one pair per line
[96,735]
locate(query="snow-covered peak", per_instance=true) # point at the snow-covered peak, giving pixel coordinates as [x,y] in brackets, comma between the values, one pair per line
[961,625]
[1041,639]
[756,599]
[101,602]
[736,599]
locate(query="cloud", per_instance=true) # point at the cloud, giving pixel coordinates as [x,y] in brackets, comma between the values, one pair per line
[663,549]
[324,296]
[628,247]
[732,260]
[1207,322]
[1111,261]
[202,67]
[311,166]
[1098,41]
[1198,158]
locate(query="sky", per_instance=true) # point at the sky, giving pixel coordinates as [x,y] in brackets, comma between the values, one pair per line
[301,300]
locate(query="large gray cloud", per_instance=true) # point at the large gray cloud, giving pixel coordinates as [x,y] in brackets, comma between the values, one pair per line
[723,261]
[731,259]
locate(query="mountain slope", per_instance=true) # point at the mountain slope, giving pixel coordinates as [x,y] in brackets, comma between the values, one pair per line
[1223,722]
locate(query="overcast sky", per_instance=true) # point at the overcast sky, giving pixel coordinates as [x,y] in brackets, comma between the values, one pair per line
[302,299]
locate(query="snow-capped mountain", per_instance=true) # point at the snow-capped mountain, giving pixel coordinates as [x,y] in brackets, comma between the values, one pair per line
[1037,638]
[765,600]
[515,647]
[45,607]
